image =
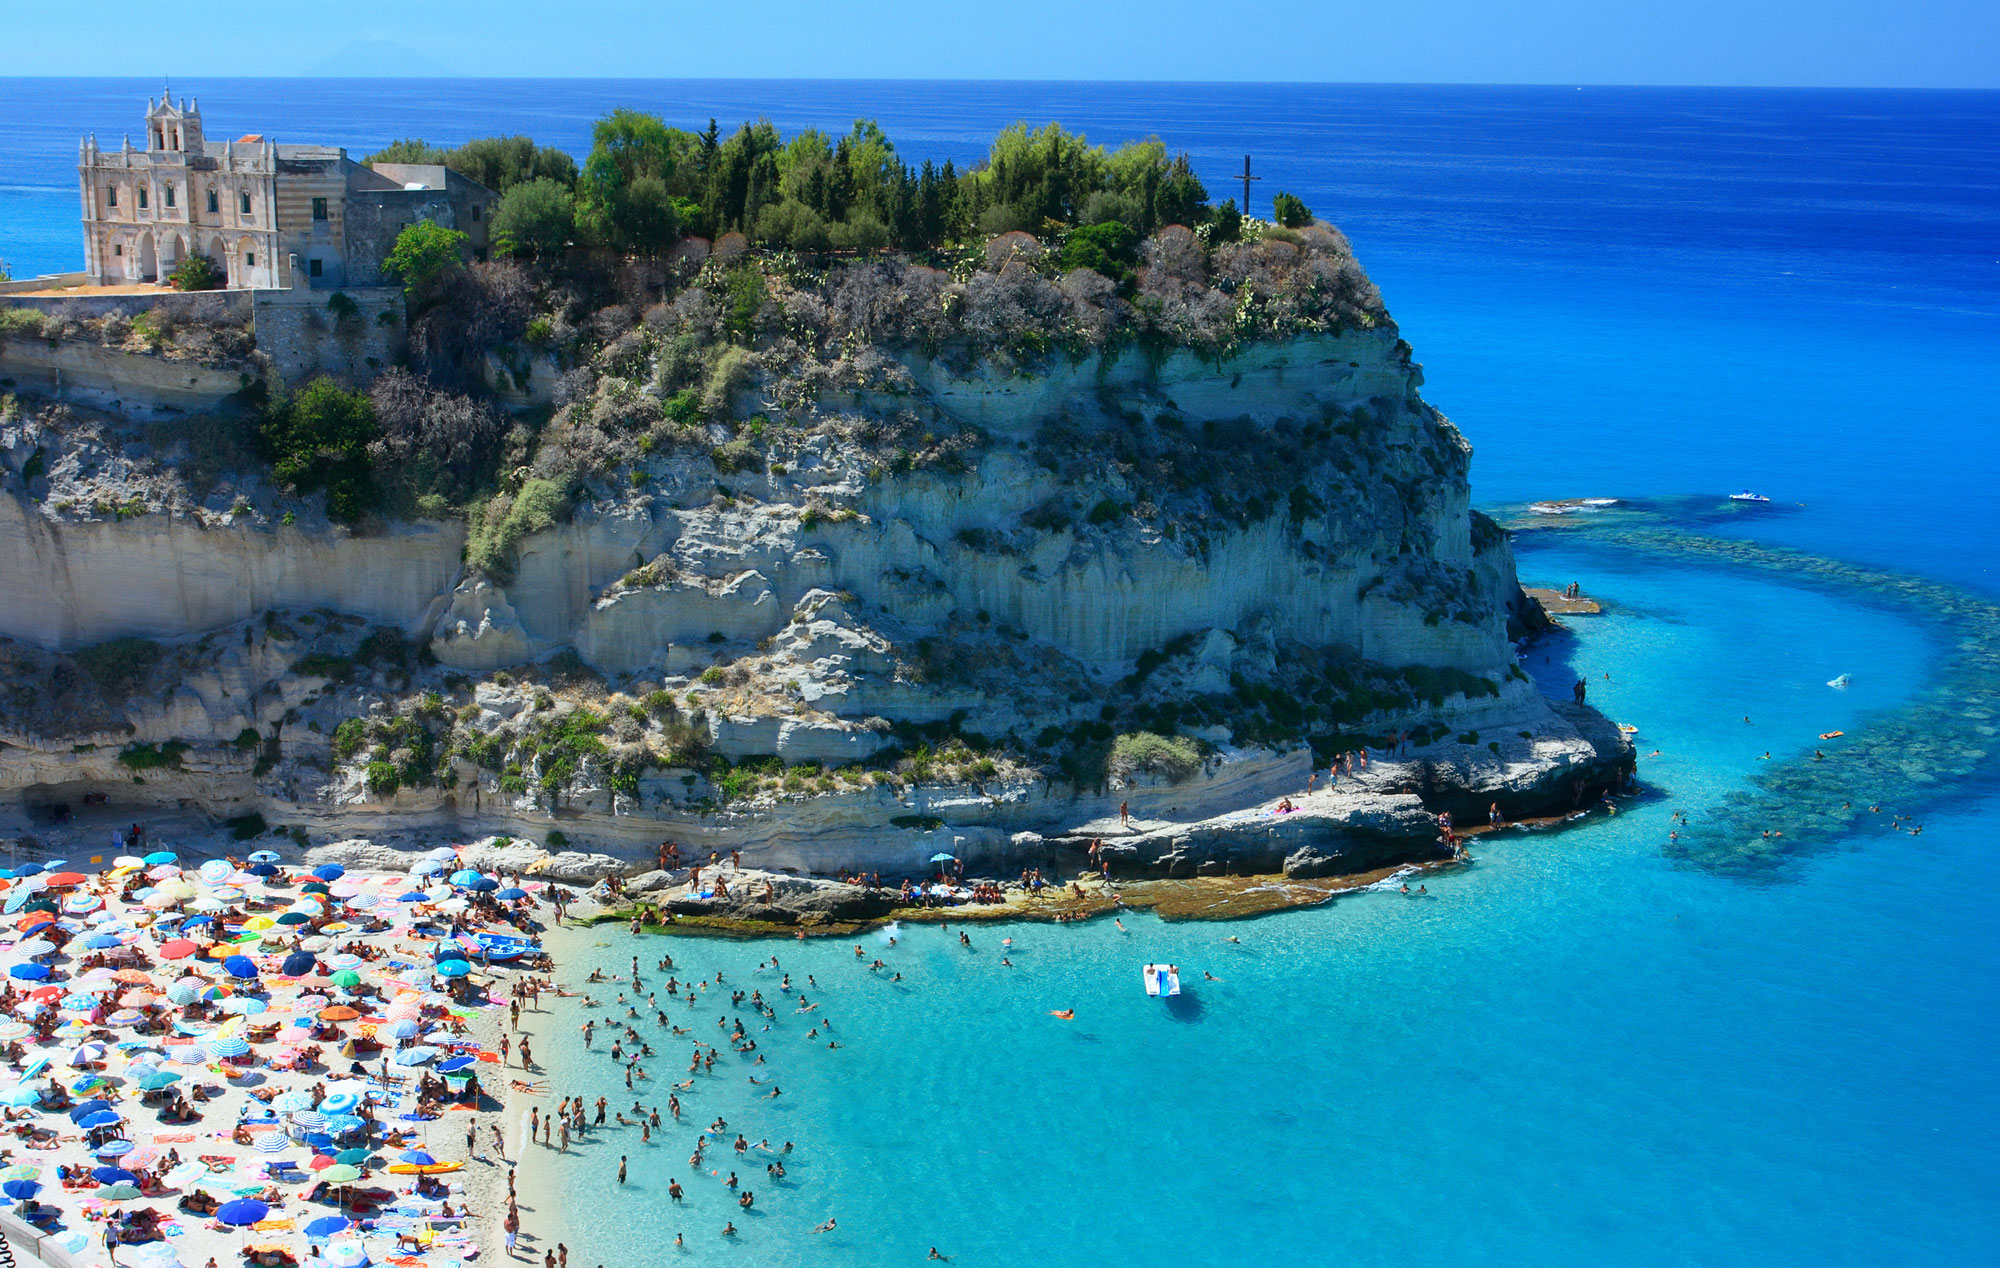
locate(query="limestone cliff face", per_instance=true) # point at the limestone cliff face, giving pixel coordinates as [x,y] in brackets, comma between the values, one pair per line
[1126,531]
[1325,568]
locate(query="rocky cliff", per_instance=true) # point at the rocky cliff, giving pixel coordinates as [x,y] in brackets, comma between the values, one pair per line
[946,595]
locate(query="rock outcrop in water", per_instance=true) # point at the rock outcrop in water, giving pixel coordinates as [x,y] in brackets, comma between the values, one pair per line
[947,601]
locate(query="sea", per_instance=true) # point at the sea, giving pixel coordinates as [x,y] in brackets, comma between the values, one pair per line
[1589,1047]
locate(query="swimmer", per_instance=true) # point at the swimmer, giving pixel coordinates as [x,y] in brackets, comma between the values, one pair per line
[826,1227]
[1065,1014]
[1210,976]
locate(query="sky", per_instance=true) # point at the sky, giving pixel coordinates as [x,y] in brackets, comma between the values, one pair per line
[1824,43]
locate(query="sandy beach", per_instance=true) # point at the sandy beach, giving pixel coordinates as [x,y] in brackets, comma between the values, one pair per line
[242,1062]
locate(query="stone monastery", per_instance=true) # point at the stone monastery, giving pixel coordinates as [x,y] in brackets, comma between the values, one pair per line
[270,216]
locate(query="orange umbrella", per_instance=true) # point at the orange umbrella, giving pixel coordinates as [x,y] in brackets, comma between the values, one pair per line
[33,919]
[338,1012]
[132,977]
[178,949]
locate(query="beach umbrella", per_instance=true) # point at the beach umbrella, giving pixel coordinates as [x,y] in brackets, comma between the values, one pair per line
[338,1012]
[88,1083]
[511,893]
[430,867]
[262,870]
[99,941]
[102,1118]
[346,1255]
[29,972]
[20,1171]
[329,872]
[78,1113]
[113,1175]
[297,964]
[26,869]
[293,918]
[456,1064]
[12,1030]
[138,998]
[85,1053]
[164,872]
[453,968]
[416,1158]
[263,856]
[115,1148]
[465,876]
[20,1190]
[340,1173]
[178,949]
[344,961]
[161,1079]
[308,1120]
[484,885]
[240,966]
[245,1005]
[414,1056]
[403,1028]
[125,1017]
[32,947]
[157,857]
[327,1226]
[118,1192]
[340,1102]
[346,979]
[241,1212]
[341,1124]
[82,904]
[289,1102]
[214,871]
[352,1157]
[272,1143]
[227,1046]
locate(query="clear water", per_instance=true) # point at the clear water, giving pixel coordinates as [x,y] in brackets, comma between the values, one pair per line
[1579,1051]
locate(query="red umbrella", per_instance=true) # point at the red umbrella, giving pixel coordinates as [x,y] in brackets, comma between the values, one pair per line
[62,879]
[48,992]
[179,949]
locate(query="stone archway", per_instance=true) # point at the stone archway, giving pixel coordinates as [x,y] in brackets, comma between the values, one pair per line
[218,255]
[147,264]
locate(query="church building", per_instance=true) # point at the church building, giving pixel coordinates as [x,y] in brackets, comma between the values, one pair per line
[268,215]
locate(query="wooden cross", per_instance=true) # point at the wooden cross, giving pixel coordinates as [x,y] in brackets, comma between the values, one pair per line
[1247,178]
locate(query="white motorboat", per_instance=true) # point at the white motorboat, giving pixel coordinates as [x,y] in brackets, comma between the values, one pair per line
[1163,979]
[1748,496]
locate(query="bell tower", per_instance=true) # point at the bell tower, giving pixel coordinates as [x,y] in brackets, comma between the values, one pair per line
[173,129]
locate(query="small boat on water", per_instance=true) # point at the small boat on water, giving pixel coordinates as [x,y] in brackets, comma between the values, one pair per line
[1628,729]
[1842,683]
[1553,508]
[1163,979]
[1748,496]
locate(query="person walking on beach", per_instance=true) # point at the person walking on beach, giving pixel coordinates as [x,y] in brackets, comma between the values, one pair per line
[1124,816]
[512,1228]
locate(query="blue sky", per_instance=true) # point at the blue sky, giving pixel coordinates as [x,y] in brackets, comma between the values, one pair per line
[1886,43]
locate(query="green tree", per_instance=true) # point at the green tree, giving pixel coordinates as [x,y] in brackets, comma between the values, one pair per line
[425,255]
[1109,248]
[318,439]
[1225,223]
[196,273]
[535,218]
[1290,212]
[502,162]
[411,150]
[637,168]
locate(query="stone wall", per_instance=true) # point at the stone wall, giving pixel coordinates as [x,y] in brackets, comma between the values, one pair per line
[88,303]
[305,334]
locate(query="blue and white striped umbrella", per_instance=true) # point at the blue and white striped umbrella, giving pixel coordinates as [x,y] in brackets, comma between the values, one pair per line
[272,1143]
[309,1120]
[292,1102]
[229,1046]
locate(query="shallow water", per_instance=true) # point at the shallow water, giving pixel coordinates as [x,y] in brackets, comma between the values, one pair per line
[1577,1050]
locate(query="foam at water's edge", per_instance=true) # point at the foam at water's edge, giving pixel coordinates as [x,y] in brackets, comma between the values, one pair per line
[1904,758]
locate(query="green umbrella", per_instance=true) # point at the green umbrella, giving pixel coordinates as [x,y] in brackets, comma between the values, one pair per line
[154,1082]
[340,1173]
[118,1192]
[351,1157]
[346,978]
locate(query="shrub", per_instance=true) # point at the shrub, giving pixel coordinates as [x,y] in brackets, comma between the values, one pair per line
[20,321]
[736,455]
[712,676]
[318,439]
[383,778]
[349,737]
[162,756]
[556,839]
[498,527]
[1108,248]
[1175,757]
[120,665]
[1290,212]
[196,273]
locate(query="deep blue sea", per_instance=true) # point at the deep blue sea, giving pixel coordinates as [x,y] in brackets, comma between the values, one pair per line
[1580,1051]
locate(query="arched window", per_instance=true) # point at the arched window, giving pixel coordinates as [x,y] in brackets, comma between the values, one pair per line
[170,194]
[213,206]
[142,197]
[246,202]
[111,195]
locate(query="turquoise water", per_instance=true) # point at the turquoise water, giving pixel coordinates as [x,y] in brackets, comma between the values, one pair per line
[1575,1051]
[1579,1051]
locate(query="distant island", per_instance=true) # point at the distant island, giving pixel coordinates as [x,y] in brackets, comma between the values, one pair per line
[756,493]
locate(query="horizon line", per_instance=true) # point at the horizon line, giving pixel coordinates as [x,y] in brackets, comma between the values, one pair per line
[1575,85]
